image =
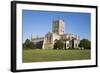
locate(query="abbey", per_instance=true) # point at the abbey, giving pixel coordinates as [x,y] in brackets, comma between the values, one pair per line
[58,32]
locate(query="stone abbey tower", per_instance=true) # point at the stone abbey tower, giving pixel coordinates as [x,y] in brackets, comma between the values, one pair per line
[58,27]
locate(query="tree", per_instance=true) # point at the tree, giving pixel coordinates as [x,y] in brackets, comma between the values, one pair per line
[31,45]
[59,44]
[28,44]
[55,44]
[85,43]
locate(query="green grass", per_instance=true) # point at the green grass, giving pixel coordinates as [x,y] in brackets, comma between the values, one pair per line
[54,55]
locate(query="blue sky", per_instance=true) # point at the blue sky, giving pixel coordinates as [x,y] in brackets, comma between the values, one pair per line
[39,23]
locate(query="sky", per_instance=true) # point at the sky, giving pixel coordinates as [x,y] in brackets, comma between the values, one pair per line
[38,23]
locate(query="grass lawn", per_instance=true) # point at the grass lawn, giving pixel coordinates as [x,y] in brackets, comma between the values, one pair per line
[54,55]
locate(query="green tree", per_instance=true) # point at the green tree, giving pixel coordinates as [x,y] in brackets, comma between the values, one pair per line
[55,44]
[28,44]
[59,44]
[32,46]
[85,43]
